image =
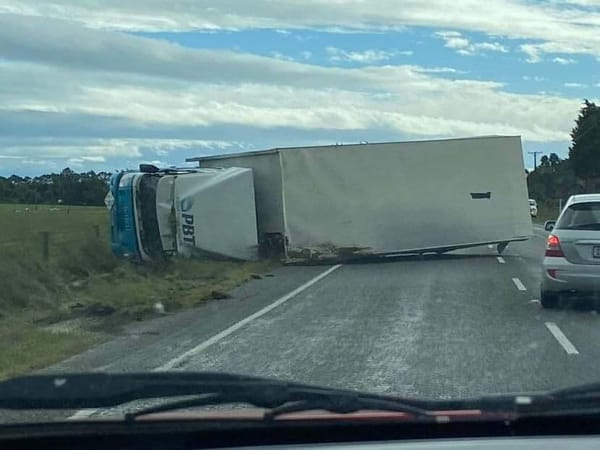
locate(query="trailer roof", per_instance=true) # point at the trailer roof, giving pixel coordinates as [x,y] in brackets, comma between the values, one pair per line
[279,149]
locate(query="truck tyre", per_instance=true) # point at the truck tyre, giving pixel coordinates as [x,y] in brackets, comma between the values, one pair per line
[549,299]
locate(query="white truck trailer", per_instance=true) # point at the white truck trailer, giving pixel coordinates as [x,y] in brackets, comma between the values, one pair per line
[348,201]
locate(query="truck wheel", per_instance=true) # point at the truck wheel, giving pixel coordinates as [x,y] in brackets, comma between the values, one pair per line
[549,299]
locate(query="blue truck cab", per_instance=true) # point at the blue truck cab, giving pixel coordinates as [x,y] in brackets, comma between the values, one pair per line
[123,233]
[156,213]
[134,225]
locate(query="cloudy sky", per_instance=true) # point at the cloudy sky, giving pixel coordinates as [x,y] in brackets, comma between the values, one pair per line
[107,85]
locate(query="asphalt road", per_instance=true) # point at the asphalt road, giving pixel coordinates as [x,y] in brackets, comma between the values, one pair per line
[462,324]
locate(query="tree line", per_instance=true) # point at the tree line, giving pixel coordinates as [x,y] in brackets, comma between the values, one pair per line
[68,187]
[557,178]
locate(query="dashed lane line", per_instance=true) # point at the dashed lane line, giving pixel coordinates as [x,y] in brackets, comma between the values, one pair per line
[561,338]
[520,286]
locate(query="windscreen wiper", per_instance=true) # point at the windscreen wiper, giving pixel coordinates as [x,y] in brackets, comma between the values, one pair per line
[102,390]
[297,399]
[584,396]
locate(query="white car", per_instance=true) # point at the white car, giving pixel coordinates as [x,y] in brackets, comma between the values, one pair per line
[533,209]
[572,260]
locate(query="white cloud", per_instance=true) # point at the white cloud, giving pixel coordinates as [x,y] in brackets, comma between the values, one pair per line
[575,85]
[463,46]
[573,27]
[279,55]
[99,88]
[306,54]
[439,70]
[591,3]
[490,46]
[448,34]
[535,52]
[96,150]
[46,164]
[533,78]
[94,158]
[563,61]
[345,99]
[370,56]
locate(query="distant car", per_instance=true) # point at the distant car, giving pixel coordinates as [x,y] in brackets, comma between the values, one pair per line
[533,209]
[572,260]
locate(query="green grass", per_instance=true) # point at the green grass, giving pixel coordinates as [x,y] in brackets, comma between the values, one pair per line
[20,229]
[83,281]
[54,218]
[26,347]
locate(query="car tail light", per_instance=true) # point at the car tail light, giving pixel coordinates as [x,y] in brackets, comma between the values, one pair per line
[553,247]
[552,273]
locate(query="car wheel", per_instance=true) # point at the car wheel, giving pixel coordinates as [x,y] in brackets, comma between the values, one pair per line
[549,299]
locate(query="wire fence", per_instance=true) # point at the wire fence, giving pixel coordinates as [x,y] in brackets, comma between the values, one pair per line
[46,244]
[43,231]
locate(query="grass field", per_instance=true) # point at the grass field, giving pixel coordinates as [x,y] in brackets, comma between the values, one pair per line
[83,283]
[21,225]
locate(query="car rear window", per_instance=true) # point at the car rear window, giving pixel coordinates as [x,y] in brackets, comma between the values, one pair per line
[580,216]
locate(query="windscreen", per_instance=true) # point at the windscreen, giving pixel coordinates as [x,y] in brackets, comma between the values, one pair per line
[350,194]
[147,218]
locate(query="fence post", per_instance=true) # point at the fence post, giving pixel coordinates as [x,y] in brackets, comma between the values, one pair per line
[45,245]
[97,231]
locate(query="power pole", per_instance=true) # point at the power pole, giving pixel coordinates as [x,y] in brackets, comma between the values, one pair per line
[535,158]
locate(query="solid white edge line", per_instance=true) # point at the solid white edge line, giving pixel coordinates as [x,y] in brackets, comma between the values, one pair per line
[561,338]
[236,326]
[223,334]
[520,286]
[500,259]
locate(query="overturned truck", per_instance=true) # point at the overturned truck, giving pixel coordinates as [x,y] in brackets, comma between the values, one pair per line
[327,203]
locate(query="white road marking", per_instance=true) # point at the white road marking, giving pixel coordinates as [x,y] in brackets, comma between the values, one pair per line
[535,300]
[561,338]
[520,286]
[82,414]
[500,259]
[236,326]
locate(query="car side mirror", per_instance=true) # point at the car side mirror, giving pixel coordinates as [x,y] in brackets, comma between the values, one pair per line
[549,225]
